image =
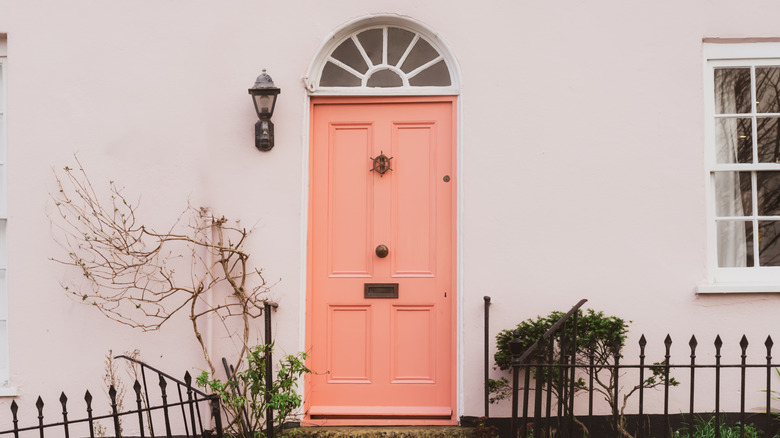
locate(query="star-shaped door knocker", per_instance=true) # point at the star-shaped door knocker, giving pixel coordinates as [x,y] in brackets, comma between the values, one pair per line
[381,164]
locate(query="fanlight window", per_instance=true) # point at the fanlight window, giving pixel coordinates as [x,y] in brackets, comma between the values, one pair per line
[385,57]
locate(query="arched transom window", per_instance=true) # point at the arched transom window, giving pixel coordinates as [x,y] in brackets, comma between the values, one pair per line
[386,58]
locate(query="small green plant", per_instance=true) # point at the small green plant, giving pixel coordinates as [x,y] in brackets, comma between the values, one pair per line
[244,395]
[706,428]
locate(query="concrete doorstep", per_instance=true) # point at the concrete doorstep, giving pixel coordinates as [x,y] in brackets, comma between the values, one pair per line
[385,432]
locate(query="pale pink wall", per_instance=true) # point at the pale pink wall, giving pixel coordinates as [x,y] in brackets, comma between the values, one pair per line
[581,154]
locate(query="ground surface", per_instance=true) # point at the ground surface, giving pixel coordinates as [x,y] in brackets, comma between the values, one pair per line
[385,432]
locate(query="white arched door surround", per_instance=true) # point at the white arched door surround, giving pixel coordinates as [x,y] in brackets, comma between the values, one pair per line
[383,55]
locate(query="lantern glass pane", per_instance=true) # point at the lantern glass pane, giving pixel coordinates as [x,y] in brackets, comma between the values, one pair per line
[264,103]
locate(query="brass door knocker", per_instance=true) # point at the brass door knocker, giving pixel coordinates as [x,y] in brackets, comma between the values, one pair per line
[381,164]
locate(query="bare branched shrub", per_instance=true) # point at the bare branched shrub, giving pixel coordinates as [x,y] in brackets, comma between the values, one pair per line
[141,277]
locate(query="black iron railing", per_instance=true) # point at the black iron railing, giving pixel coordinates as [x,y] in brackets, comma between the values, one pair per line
[179,409]
[563,384]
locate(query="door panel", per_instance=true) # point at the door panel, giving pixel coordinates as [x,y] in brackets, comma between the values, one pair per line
[381,358]
[349,333]
[350,195]
[413,344]
[414,200]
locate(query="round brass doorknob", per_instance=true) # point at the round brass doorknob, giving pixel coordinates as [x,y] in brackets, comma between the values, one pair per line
[381,251]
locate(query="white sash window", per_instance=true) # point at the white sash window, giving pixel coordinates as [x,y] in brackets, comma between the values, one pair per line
[742,92]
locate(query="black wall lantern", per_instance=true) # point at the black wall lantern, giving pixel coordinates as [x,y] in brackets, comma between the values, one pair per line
[264,96]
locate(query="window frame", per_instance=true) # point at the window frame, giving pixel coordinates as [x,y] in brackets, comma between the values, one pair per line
[755,279]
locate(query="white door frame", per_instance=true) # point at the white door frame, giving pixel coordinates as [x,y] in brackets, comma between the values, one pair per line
[309,83]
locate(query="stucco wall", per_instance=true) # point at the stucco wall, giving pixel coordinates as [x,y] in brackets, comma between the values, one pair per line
[581,159]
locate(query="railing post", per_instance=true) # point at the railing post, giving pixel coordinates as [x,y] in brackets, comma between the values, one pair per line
[550,381]
[560,382]
[642,345]
[591,371]
[269,417]
[88,400]
[743,343]
[214,398]
[538,395]
[114,413]
[39,405]
[188,381]
[487,355]
[526,395]
[14,411]
[667,359]
[768,343]
[615,396]
[572,371]
[64,402]
[718,345]
[514,347]
[692,343]
[139,406]
[164,397]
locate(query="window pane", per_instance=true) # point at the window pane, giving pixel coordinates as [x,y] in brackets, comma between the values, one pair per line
[734,140]
[768,184]
[348,53]
[732,194]
[397,42]
[768,243]
[2,137]
[3,195]
[3,257]
[384,78]
[735,244]
[371,40]
[732,90]
[335,76]
[768,139]
[3,296]
[436,75]
[767,83]
[421,53]
[3,351]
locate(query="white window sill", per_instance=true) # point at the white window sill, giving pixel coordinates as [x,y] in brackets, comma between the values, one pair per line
[728,288]
[9,391]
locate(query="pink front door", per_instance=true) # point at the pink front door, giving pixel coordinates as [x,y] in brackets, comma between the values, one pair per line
[381,327]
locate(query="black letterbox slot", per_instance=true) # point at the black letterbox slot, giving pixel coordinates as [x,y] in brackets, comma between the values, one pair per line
[380,290]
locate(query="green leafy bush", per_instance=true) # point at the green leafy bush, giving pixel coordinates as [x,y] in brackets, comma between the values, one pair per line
[591,325]
[244,397]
